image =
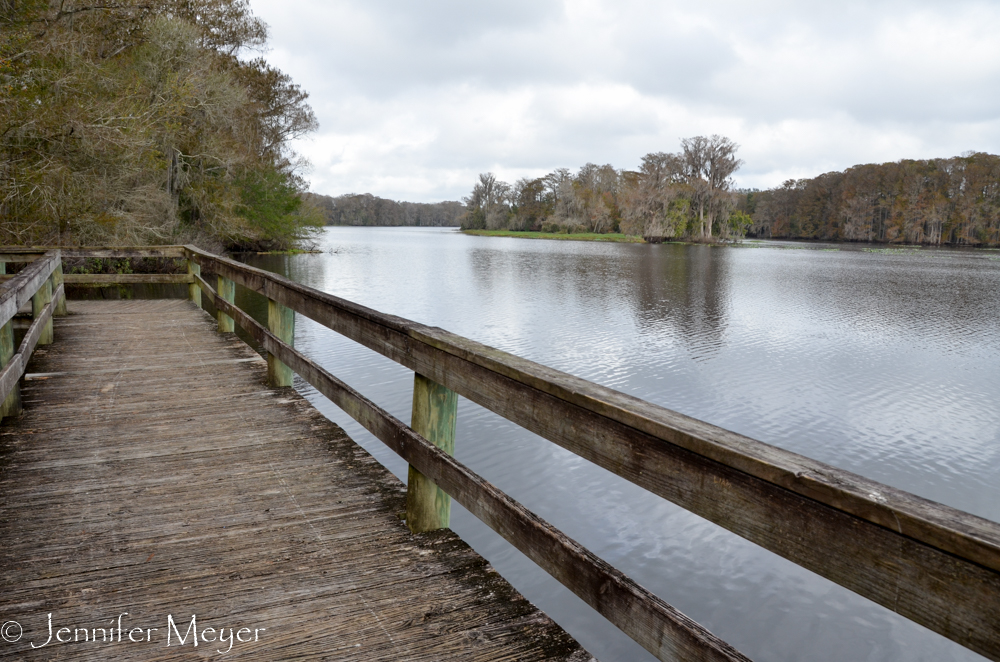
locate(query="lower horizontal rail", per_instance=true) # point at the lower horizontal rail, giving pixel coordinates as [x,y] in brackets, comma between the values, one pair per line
[652,623]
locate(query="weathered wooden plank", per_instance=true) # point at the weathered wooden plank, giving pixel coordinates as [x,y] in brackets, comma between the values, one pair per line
[20,258]
[143,368]
[126,279]
[254,511]
[651,622]
[435,409]
[933,564]
[29,253]
[138,252]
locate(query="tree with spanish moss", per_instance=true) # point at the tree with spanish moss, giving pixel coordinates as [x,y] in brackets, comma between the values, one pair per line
[141,121]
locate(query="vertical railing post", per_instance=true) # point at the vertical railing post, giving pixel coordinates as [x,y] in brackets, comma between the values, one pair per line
[280,322]
[434,411]
[12,405]
[38,302]
[227,290]
[57,280]
[194,290]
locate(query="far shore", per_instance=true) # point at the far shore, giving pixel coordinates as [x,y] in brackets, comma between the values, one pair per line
[748,242]
[562,236]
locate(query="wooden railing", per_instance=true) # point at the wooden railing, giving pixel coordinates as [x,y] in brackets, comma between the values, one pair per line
[41,283]
[935,565]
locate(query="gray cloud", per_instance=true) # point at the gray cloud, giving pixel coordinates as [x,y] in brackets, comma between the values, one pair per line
[414,99]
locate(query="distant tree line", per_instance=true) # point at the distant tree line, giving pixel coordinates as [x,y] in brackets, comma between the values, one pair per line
[368,209]
[935,201]
[685,194]
[145,122]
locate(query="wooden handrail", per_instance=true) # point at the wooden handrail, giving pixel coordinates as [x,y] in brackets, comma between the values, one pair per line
[654,624]
[40,283]
[21,287]
[33,253]
[933,564]
[14,369]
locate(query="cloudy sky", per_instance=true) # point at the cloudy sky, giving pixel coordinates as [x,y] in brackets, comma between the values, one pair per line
[414,99]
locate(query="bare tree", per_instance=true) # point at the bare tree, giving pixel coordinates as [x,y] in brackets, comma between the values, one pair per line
[655,200]
[489,204]
[708,165]
[531,206]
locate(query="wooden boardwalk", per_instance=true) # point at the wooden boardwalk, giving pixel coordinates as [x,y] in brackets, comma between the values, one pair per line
[153,472]
[154,479]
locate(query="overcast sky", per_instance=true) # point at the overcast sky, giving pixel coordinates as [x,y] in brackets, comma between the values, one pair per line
[414,99]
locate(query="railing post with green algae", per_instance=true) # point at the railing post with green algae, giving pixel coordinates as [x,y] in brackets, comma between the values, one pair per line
[280,322]
[57,280]
[42,298]
[227,290]
[194,290]
[12,405]
[434,412]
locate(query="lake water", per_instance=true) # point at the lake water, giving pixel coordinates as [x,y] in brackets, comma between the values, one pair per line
[884,362]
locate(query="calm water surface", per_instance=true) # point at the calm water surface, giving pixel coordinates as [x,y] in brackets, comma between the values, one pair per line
[885,363]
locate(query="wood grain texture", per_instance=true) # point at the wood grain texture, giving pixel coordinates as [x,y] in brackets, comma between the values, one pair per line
[180,485]
[935,565]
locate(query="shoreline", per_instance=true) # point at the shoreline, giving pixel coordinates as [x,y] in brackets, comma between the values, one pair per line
[748,242]
[559,236]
